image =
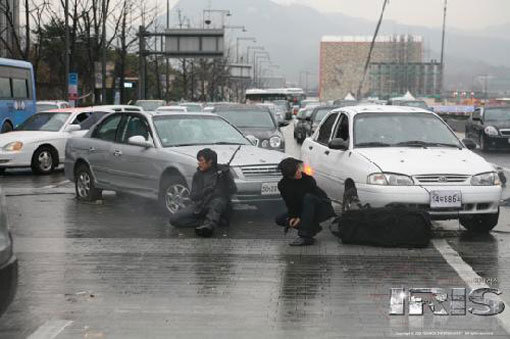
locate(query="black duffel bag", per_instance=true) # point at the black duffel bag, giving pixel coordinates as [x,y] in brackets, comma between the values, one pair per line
[388,227]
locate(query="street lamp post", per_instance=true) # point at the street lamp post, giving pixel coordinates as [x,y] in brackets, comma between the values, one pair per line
[258,48]
[224,12]
[256,59]
[237,45]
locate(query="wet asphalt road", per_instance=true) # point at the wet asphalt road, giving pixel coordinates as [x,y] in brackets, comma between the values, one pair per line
[116,269]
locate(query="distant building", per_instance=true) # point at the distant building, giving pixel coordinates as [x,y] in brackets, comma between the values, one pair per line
[9,25]
[390,79]
[343,58]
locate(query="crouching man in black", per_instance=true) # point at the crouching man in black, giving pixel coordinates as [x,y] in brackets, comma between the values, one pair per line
[211,190]
[307,205]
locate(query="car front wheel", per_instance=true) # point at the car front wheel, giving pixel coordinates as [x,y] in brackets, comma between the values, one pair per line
[43,161]
[174,194]
[480,223]
[84,185]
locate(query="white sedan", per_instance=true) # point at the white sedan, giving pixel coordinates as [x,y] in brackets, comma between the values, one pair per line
[402,156]
[40,141]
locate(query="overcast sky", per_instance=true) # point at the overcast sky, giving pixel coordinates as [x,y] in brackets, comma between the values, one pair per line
[463,14]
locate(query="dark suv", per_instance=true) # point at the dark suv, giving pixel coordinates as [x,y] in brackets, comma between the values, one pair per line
[308,120]
[490,127]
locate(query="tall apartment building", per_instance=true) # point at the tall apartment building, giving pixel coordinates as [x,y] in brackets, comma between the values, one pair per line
[9,24]
[342,60]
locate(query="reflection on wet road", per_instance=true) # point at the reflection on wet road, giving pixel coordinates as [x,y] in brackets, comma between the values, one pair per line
[117,269]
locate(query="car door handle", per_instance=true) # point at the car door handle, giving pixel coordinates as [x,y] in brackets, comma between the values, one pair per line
[326,152]
[310,147]
[117,153]
[92,149]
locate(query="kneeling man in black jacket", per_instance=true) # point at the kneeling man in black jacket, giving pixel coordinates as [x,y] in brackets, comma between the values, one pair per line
[307,205]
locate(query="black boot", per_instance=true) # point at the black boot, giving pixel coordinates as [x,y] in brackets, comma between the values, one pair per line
[206,230]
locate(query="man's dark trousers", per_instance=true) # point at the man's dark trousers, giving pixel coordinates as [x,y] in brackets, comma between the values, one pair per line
[211,213]
[313,211]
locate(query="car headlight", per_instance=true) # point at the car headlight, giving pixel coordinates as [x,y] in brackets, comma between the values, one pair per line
[13,146]
[265,143]
[491,130]
[390,179]
[275,141]
[485,179]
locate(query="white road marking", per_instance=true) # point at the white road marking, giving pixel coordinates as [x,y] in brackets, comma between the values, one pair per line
[50,329]
[469,276]
[56,185]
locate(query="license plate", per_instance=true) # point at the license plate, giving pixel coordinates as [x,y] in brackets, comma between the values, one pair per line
[445,199]
[269,188]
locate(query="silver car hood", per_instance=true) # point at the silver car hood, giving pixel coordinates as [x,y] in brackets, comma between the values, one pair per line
[247,155]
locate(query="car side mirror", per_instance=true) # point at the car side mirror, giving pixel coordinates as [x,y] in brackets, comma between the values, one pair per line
[470,144]
[339,143]
[254,141]
[139,140]
[283,123]
[72,128]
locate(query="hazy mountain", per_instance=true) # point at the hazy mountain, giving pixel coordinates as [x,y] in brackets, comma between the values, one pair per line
[292,35]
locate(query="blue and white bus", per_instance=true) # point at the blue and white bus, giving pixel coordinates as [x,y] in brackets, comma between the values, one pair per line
[17,93]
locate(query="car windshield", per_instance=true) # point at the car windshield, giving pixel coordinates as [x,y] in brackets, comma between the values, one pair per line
[51,122]
[150,105]
[45,107]
[248,118]
[321,113]
[497,114]
[402,129]
[200,130]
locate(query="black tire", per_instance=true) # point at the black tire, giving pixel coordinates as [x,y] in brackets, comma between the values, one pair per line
[84,185]
[44,160]
[6,127]
[351,200]
[174,193]
[480,223]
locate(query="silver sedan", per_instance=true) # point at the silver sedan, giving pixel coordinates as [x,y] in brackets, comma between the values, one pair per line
[154,156]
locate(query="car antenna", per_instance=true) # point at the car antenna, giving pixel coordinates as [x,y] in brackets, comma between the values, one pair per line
[233,155]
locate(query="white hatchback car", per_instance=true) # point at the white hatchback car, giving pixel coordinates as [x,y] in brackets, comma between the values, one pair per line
[403,156]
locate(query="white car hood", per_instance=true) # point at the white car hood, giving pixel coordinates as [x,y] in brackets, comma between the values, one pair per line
[417,161]
[247,155]
[28,136]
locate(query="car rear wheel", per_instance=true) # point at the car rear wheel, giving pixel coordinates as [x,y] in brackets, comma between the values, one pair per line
[351,200]
[43,160]
[6,127]
[174,194]
[84,185]
[480,223]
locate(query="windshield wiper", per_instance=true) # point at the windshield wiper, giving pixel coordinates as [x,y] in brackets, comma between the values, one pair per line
[226,143]
[419,143]
[372,144]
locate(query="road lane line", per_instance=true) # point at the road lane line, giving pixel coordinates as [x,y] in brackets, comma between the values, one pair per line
[56,185]
[470,277]
[50,329]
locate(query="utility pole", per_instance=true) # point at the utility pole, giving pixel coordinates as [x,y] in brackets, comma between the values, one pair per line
[103,57]
[358,95]
[67,47]
[141,63]
[442,50]
[167,81]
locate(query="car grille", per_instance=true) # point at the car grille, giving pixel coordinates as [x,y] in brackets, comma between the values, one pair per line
[260,170]
[505,132]
[441,179]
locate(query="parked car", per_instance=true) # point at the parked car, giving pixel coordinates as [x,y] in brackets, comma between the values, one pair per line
[345,103]
[121,108]
[390,155]
[42,106]
[39,142]
[309,102]
[154,156]
[8,261]
[277,112]
[490,127]
[308,122]
[150,105]
[410,103]
[256,122]
[192,106]
[285,107]
[168,109]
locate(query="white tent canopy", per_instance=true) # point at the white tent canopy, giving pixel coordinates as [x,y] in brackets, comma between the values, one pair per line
[407,97]
[349,97]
